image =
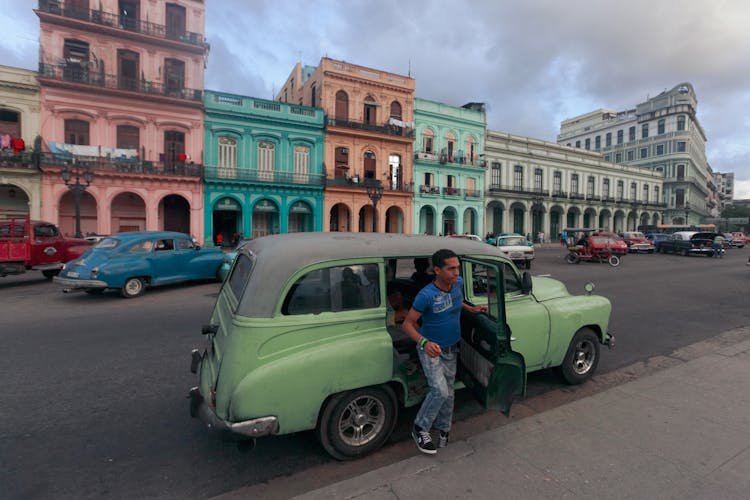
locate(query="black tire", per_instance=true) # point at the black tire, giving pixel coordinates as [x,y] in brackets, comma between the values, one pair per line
[684,252]
[50,273]
[572,258]
[582,358]
[528,264]
[614,260]
[133,287]
[355,423]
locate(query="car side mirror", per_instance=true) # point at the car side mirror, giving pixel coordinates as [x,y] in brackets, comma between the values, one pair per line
[526,283]
[197,247]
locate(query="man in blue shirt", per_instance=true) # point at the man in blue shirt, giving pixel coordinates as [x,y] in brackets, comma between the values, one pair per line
[439,305]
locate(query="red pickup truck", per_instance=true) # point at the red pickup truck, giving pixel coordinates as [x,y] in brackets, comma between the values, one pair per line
[27,244]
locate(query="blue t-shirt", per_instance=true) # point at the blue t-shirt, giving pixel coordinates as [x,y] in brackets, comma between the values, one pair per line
[441,313]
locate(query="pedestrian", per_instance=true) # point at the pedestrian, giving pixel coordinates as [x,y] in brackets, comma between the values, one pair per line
[541,237]
[563,238]
[718,246]
[439,305]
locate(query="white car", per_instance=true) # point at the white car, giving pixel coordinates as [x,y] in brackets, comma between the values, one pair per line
[517,249]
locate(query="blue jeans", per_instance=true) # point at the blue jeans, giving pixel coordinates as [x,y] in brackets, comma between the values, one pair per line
[437,407]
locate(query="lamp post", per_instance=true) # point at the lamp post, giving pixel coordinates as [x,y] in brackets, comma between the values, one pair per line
[687,212]
[634,205]
[374,192]
[77,172]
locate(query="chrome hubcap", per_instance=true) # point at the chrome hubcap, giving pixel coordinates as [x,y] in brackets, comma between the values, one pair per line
[583,357]
[361,421]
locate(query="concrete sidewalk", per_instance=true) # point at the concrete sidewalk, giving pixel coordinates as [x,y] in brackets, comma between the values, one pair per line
[677,432]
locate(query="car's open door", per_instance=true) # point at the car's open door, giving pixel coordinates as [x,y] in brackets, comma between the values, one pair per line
[487,365]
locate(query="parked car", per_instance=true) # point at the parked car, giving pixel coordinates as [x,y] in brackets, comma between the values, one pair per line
[467,236]
[637,242]
[132,262]
[516,249]
[739,235]
[95,238]
[493,240]
[27,245]
[688,243]
[305,335]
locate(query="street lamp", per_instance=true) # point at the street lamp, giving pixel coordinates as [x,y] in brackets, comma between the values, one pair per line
[76,172]
[687,212]
[374,192]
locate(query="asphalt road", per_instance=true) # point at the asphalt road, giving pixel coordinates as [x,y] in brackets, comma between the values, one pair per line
[93,387]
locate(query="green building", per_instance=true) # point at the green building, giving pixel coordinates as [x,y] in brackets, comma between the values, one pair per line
[449,168]
[263,167]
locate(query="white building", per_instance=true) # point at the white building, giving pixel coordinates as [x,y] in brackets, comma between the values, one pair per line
[663,134]
[537,186]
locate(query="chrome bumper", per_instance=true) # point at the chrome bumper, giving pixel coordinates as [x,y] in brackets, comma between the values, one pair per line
[257,427]
[77,284]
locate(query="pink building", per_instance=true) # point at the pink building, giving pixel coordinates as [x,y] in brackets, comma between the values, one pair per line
[121,87]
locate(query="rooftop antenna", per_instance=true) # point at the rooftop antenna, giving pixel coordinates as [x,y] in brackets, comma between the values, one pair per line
[410,67]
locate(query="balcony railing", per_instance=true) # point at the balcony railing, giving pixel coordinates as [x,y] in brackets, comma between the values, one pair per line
[472,193]
[358,182]
[383,129]
[123,165]
[255,175]
[425,189]
[517,190]
[452,191]
[559,194]
[78,74]
[23,159]
[593,197]
[72,11]
[576,196]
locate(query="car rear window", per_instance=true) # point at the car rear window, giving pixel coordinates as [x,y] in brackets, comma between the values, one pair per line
[240,275]
[107,243]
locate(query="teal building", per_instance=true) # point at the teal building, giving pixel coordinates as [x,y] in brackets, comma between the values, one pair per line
[449,168]
[263,167]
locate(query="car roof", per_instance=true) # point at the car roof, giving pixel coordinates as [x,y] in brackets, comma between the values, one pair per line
[137,235]
[304,249]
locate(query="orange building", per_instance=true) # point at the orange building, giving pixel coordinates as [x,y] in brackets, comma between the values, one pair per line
[368,143]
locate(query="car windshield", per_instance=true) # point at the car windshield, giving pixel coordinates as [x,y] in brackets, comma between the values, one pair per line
[107,243]
[507,242]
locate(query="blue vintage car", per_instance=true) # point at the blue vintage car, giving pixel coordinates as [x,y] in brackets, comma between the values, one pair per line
[131,262]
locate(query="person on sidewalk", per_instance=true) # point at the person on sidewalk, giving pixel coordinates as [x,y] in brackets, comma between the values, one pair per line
[718,246]
[439,305]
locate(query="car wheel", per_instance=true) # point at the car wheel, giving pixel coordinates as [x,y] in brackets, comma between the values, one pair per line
[614,260]
[684,252]
[133,287]
[528,264]
[572,258]
[50,273]
[358,422]
[582,357]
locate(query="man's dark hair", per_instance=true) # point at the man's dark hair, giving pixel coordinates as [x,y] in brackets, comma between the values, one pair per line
[439,257]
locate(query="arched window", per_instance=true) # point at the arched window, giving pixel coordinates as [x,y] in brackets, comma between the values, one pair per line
[396,172]
[227,157]
[266,160]
[342,105]
[471,153]
[450,145]
[369,165]
[301,163]
[428,137]
[370,115]
[396,110]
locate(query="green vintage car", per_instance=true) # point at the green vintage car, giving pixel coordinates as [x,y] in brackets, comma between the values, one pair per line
[306,334]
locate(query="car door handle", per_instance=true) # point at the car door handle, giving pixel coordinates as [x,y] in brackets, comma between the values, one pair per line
[512,338]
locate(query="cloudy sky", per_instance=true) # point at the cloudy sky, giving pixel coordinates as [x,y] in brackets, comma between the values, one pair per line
[534,62]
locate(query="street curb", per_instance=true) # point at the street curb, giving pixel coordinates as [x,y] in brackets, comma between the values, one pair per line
[330,473]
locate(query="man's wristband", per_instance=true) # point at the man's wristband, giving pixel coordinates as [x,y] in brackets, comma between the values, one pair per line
[422,343]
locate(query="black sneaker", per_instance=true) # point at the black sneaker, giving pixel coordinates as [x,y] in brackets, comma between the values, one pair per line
[443,439]
[423,440]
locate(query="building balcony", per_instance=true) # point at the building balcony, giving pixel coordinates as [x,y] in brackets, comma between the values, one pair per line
[58,11]
[593,197]
[244,174]
[452,191]
[369,127]
[424,189]
[501,188]
[576,196]
[22,159]
[78,75]
[559,194]
[356,182]
[104,164]
[472,193]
